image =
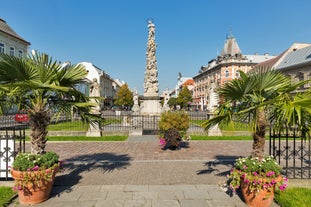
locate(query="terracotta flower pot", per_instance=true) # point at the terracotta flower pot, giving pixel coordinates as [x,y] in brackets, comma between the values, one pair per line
[34,192]
[263,198]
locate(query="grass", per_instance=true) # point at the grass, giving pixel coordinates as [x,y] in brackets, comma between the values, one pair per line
[78,125]
[6,195]
[84,138]
[294,197]
[202,137]
[231,127]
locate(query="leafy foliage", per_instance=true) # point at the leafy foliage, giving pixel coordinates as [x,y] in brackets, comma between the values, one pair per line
[172,138]
[260,96]
[178,120]
[40,85]
[257,173]
[184,97]
[124,97]
[26,161]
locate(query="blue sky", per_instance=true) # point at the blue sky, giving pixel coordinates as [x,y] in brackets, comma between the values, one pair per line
[112,34]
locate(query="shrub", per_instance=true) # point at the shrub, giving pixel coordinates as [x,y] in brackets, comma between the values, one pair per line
[178,120]
[172,139]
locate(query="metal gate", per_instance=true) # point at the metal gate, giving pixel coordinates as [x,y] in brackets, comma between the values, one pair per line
[292,152]
[12,141]
[150,125]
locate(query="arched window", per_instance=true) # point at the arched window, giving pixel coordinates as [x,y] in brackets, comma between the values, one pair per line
[227,73]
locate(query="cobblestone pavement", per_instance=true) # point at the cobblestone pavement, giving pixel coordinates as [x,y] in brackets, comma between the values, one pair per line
[138,172]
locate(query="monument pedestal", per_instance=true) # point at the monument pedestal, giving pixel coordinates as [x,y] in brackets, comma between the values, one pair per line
[150,106]
[93,131]
[214,130]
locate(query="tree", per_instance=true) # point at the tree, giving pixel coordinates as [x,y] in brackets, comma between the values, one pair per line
[261,96]
[184,97]
[42,86]
[124,97]
[172,102]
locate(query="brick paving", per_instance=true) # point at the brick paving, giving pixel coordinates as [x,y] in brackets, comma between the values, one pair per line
[139,173]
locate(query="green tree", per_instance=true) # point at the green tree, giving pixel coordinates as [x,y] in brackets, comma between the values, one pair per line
[172,102]
[184,97]
[42,86]
[124,97]
[262,96]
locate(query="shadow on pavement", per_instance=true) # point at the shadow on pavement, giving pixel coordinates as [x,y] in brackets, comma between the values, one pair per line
[74,167]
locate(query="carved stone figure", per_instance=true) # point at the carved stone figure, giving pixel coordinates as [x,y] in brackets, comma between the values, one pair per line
[151,86]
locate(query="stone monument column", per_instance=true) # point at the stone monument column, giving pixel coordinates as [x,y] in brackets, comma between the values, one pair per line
[151,101]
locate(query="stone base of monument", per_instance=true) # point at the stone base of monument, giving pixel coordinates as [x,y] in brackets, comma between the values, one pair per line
[93,131]
[214,131]
[150,106]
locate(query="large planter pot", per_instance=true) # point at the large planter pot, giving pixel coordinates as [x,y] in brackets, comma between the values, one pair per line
[262,198]
[34,192]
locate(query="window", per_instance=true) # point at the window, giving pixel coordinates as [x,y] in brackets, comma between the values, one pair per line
[227,73]
[1,48]
[237,73]
[20,54]
[12,52]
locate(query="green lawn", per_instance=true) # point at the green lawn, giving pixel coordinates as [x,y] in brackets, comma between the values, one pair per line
[6,195]
[294,197]
[235,127]
[202,137]
[78,125]
[84,138]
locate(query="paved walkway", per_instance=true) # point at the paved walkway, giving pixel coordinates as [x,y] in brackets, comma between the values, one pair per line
[138,172]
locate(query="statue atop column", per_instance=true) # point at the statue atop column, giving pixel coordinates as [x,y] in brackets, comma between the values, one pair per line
[151,85]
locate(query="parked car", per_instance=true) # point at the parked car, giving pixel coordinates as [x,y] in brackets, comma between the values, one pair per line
[22,117]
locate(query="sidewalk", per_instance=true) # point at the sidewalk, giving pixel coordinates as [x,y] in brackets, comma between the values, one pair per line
[138,173]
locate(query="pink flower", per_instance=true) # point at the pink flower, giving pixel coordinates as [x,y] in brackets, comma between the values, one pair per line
[35,168]
[283,187]
[255,173]
[162,141]
[246,181]
[273,182]
[270,173]
[47,170]
[244,167]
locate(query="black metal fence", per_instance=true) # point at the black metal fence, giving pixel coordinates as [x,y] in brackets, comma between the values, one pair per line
[12,142]
[115,123]
[292,152]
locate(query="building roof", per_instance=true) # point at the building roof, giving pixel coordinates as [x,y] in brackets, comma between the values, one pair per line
[295,57]
[298,53]
[231,47]
[5,28]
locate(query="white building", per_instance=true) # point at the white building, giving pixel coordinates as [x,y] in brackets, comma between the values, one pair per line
[105,82]
[10,42]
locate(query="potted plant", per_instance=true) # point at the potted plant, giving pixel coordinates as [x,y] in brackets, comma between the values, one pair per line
[42,87]
[171,139]
[173,129]
[261,98]
[257,179]
[34,176]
